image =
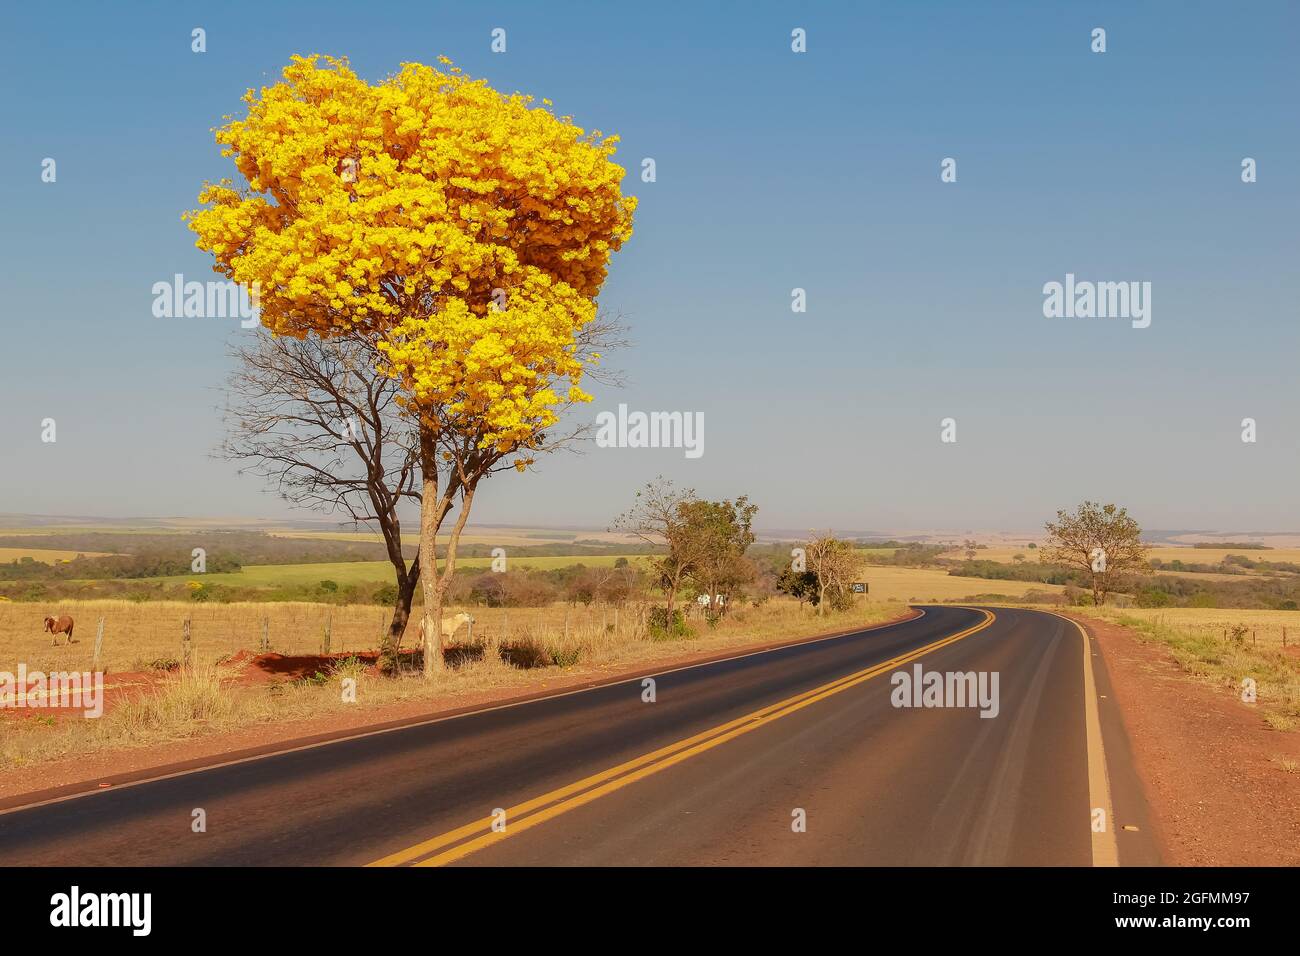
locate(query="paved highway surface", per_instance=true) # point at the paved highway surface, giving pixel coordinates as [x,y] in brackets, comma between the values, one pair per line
[794,756]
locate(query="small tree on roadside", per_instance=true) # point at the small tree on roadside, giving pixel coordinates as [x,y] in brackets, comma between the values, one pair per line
[659,518]
[705,540]
[1100,540]
[721,535]
[834,563]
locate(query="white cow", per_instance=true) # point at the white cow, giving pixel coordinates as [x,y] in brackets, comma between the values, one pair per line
[450,625]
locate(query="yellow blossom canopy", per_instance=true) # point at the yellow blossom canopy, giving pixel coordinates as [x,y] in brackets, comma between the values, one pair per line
[465,231]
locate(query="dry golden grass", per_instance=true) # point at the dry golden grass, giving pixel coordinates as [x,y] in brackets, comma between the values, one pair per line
[1005,554]
[1215,555]
[46,555]
[583,640]
[1225,647]
[495,537]
[138,633]
[1202,575]
[1264,627]
[928,584]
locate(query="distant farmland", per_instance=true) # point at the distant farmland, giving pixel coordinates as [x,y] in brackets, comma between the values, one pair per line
[369,572]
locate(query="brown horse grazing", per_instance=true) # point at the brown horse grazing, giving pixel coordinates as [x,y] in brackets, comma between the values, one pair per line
[62,625]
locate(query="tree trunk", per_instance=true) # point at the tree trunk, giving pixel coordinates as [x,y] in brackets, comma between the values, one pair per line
[431,621]
[433,511]
[432,508]
[392,641]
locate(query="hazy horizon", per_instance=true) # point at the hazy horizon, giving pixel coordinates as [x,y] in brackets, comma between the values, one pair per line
[308,521]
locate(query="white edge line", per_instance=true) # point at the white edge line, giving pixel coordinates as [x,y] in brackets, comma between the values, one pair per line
[1105,847]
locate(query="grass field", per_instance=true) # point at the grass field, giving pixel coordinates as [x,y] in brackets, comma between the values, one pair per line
[926,584]
[1215,555]
[886,583]
[1006,555]
[1003,554]
[1204,644]
[46,555]
[368,572]
[136,634]
[1265,627]
[494,537]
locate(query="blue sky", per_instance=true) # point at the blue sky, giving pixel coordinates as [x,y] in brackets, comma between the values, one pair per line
[775,170]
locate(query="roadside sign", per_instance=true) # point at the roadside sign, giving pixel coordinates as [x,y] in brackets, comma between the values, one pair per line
[859,587]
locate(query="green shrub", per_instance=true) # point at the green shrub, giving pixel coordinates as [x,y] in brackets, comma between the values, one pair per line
[661,630]
[569,655]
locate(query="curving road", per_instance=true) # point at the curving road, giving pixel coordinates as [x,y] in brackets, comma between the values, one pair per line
[794,756]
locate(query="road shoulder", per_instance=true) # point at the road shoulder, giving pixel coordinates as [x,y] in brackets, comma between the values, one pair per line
[1212,770]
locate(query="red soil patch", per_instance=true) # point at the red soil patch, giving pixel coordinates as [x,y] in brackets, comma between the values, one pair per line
[118,687]
[243,669]
[1211,767]
[272,667]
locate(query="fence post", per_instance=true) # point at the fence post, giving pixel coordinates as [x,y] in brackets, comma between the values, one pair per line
[99,646]
[266,634]
[185,642]
[329,620]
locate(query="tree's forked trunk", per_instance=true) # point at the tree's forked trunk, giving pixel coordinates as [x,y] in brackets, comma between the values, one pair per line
[392,640]
[432,509]
[431,622]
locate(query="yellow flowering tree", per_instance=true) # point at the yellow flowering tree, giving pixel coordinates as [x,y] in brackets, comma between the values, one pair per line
[465,233]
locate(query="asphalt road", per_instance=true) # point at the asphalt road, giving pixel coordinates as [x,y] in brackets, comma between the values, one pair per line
[795,756]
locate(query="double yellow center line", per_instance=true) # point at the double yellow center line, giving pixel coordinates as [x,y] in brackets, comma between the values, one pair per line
[461,842]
